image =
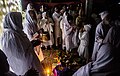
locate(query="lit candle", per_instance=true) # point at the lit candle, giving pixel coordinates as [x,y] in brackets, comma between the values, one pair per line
[48,72]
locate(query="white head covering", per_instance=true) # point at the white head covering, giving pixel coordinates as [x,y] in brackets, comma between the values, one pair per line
[13,21]
[87,27]
[28,17]
[30,7]
[30,25]
[44,15]
[15,42]
[103,14]
[17,47]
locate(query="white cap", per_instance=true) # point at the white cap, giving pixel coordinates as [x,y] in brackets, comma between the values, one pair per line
[87,27]
[43,14]
[103,14]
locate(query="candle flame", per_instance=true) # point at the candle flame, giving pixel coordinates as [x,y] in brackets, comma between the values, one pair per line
[48,71]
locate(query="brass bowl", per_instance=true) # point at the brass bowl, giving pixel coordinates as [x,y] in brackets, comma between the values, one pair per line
[44,37]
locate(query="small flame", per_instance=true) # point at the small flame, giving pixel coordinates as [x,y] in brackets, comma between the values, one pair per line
[48,72]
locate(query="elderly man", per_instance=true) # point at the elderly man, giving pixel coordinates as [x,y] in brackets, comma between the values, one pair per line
[101,31]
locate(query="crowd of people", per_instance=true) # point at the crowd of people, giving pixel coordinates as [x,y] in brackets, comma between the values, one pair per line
[97,40]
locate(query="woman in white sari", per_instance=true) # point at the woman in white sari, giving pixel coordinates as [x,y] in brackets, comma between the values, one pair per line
[69,30]
[17,47]
[30,24]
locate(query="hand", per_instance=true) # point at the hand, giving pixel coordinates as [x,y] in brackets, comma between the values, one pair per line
[36,35]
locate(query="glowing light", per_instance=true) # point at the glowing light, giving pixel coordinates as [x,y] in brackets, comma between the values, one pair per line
[4,10]
[7,9]
[48,72]
[1,2]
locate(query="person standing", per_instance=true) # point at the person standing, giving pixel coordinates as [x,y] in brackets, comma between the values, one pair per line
[47,26]
[30,24]
[69,30]
[107,61]
[17,47]
[57,18]
[101,31]
[84,42]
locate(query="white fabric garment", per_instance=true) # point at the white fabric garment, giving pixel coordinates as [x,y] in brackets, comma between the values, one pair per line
[84,41]
[68,31]
[57,18]
[101,31]
[30,26]
[84,70]
[29,6]
[48,28]
[17,47]
[62,27]
[75,39]
[43,15]
[99,35]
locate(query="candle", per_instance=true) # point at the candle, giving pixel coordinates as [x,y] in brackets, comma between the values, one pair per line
[48,72]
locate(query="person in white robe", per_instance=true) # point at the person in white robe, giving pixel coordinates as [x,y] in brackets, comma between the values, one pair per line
[62,23]
[101,31]
[30,24]
[57,18]
[47,26]
[63,35]
[84,41]
[17,47]
[30,28]
[4,66]
[69,30]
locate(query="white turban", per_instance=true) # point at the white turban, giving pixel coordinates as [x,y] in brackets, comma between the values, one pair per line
[44,14]
[87,27]
[103,14]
